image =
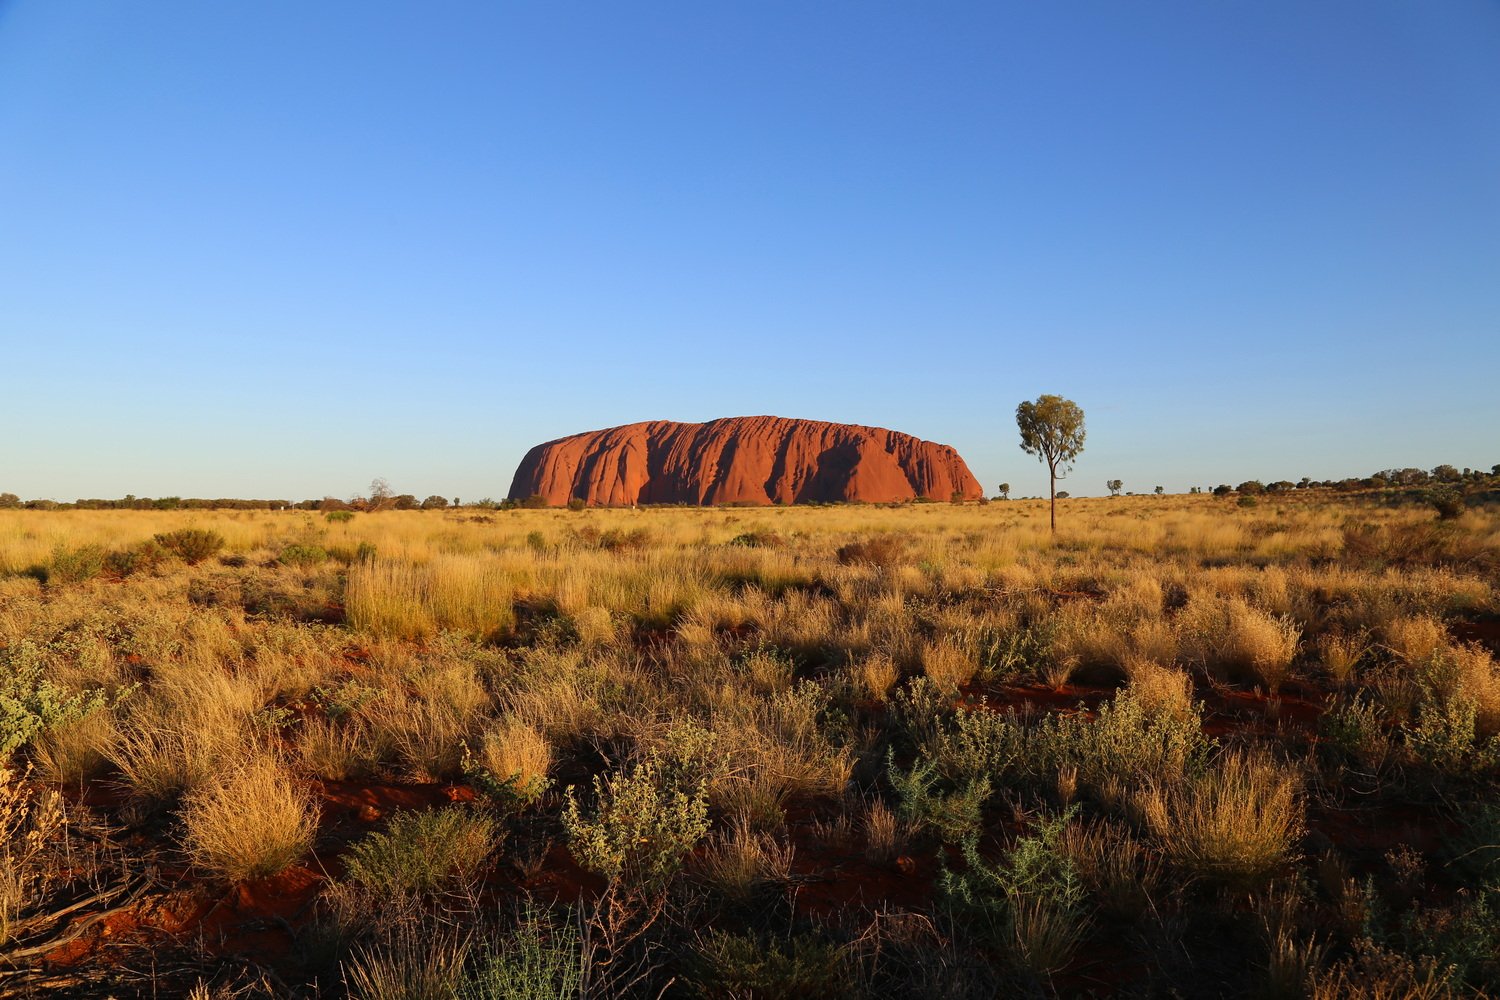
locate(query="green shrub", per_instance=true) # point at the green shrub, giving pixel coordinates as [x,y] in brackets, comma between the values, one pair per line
[30,703]
[882,551]
[1446,737]
[922,800]
[339,516]
[1447,501]
[191,545]
[76,565]
[576,504]
[140,558]
[639,828]
[1354,728]
[761,539]
[420,852]
[537,960]
[302,555]
[1031,901]
[730,966]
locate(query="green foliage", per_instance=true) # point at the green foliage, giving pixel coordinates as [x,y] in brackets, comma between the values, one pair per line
[339,516]
[979,745]
[140,558]
[191,545]
[731,966]
[1018,652]
[576,504]
[30,703]
[1447,501]
[537,960]
[639,828]
[422,851]
[1354,728]
[302,555]
[922,801]
[1031,901]
[1463,938]
[75,565]
[1052,429]
[511,793]
[760,539]
[1446,738]
[1127,740]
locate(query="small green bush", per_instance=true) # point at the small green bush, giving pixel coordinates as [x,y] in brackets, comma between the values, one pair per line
[762,539]
[1447,501]
[882,551]
[923,802]
[76,565]
[1031,902]
[730,966]
[302,555]
[537,960]
[339,516]
[639,829]
[1446,737]
[191,545]
[421,852]
[141,558]
[31,704]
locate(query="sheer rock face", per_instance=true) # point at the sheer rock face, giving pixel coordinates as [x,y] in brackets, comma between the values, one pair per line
[741,460]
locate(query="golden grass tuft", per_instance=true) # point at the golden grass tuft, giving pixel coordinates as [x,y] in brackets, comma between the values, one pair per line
[1234,824]
[255,822]
[948,664]
[516,751]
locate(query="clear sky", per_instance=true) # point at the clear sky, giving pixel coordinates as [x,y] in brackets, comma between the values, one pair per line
[277,249]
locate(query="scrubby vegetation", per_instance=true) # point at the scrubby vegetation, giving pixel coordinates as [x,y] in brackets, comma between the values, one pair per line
[1181,748]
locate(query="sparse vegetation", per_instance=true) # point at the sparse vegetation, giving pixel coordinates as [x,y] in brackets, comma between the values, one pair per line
[799,751]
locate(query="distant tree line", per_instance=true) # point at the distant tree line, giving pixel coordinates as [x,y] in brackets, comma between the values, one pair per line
[1442,475]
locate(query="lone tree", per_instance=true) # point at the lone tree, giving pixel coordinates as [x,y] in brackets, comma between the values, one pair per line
[1051,429]
[1004,490]
[1113,485]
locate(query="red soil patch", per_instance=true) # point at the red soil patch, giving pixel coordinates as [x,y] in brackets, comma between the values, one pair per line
[1486,633]
[369,802]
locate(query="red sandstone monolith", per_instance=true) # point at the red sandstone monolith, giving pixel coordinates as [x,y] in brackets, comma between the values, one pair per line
[742,460]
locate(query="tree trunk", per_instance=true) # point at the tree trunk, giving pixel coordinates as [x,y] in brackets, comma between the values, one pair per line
[1052,479]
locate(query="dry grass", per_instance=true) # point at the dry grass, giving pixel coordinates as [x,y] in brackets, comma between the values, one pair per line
[1235,824]
[560,645]
[517,752]
[256,821]
[742,861]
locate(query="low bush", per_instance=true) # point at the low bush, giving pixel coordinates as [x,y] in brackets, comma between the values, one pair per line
[730,966]
[1031,902]
[302,555]
[883,551]
[421,852]
[140,558]
[191,545]
[75,565]
[638,829]
[539,959]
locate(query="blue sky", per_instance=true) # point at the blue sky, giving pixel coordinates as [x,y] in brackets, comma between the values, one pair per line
[278,249]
